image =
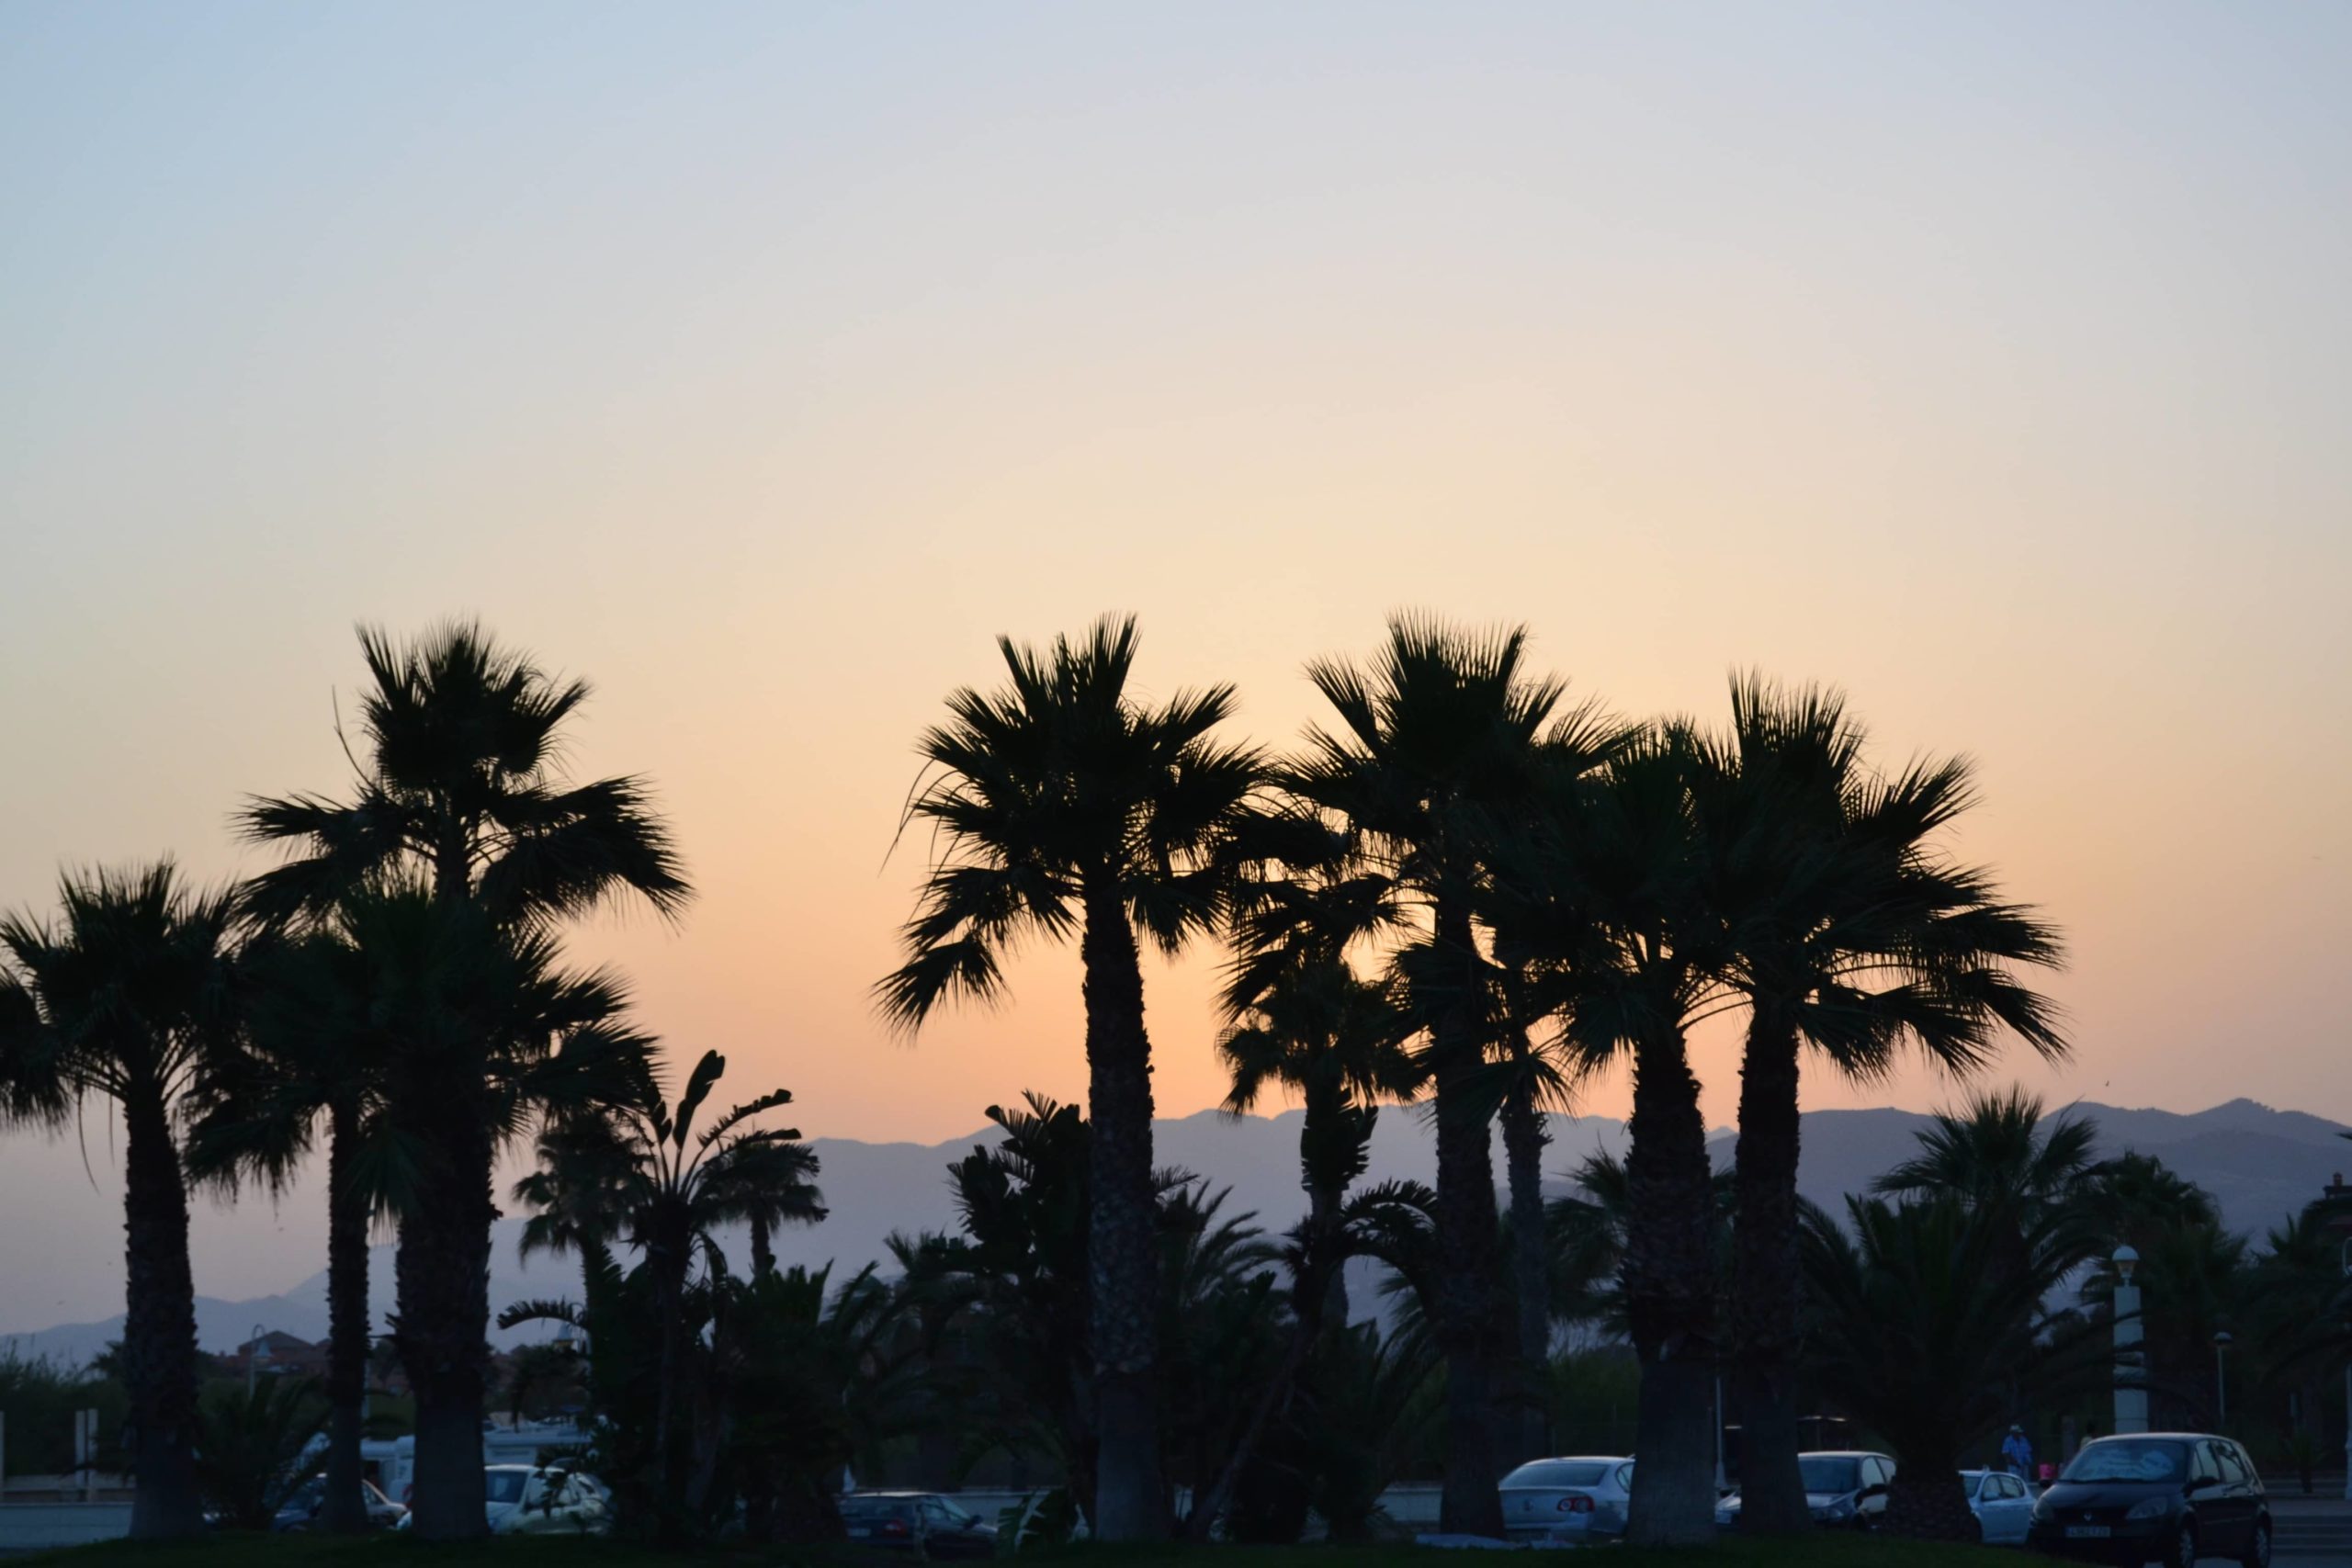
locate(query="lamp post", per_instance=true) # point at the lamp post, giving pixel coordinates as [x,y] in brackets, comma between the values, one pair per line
[260,1349]
[2131,1387]
[2337,1198]
[2221,1380]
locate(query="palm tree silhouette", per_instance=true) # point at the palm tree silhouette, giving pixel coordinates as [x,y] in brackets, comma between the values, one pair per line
[121,998]
[1064,808]
[1442,733]
[1849,932]
[461,786]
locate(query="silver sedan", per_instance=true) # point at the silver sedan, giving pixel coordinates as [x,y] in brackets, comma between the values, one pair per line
[1575,1498]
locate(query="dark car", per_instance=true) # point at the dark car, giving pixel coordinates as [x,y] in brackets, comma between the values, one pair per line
[1845,1489]
[916,1521]
[2168,1497]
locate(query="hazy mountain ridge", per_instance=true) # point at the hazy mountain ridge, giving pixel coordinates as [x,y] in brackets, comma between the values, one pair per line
[2260,1164]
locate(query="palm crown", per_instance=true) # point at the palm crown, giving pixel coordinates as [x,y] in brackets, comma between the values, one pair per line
[1058,790]
[464,741]
[124,994]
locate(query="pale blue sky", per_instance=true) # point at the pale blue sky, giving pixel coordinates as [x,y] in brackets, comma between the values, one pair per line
[762,362]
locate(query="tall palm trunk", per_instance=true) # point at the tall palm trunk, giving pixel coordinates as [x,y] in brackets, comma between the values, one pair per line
[1123,1259]
[1524,1141]
[159,1326]
[343,1510]
[443,1288]
[1670,1299]
[763,1247]
[668,1256]
[1764,1280]
[442,1270]
[1328,1138]
[1319,1293]
[1466,1248]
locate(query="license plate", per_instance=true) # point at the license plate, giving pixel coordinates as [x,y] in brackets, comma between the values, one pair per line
[859,1531]
[2088,1532]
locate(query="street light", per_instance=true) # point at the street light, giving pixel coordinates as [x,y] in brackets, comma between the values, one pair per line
[2221,1379]
[253,1357]
[2131,1389]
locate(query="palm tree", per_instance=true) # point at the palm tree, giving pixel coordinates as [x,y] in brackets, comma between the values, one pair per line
[1063,808]
[1602,900]
[1338,1039]
[1997,1150]
[1926,1316]
[461,786]
[121,998]
[1847,932]
[312,1053]
[1441,734]
[252,1451]
[672,1187]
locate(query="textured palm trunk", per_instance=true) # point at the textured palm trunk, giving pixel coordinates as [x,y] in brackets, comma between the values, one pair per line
[442,1282]
[343,1510]
[1123,1259]
[1764,1281]
[1670,1299]
[159,1327]
[667,1258]
[1524,1141]
[1925,1503]
[763,1247]
[1467,1254]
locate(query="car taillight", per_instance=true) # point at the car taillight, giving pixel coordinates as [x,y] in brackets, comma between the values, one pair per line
[1575,1505]
[894,1526]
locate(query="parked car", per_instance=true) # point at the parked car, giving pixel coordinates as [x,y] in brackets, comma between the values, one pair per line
[2169,1497]
[536,1499]
[2002,1506]
[921,1522]
[1572,1499]
[300,1511]
[1845,1489]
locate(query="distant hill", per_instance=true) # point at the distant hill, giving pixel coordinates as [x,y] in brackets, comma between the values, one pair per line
[2260,1164]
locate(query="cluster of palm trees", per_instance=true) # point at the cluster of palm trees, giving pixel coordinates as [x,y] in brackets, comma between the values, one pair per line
[394,989]
[1465,886]
[1462,888]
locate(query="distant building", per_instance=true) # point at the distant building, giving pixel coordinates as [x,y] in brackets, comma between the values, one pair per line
[275,1353]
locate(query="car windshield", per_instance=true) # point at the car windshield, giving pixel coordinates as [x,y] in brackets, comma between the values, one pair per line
[505,1486]
[2129,1459]
[1831,1472]
[1558,1472]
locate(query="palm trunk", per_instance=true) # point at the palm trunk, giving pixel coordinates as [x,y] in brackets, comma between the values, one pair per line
[442,1273]
[1670,1299]
[1926,1503]
[159,1327]
[344,1511]
[763,1247]
[1523,1140]
[667,1258]
[1764,1281]
[1123,1259]
[1466,1248]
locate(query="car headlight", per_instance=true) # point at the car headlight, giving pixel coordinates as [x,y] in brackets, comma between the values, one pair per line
[1841,1509]
[2040,1514]
[2148,1508]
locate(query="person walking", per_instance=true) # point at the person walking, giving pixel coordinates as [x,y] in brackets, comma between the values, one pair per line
[2018,1453]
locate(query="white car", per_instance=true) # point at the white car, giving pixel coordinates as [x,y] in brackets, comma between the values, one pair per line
[1569,1499]
[2002,1505]
[531,1500]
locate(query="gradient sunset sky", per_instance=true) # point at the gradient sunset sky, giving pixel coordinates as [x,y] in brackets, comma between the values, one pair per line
[762,362]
